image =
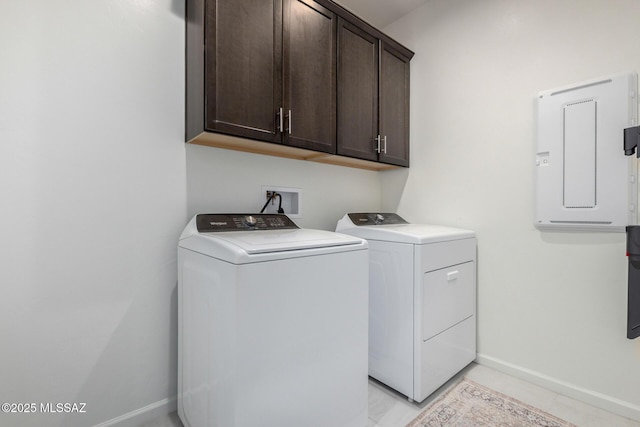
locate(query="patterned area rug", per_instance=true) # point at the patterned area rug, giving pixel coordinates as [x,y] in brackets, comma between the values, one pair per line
[469,404]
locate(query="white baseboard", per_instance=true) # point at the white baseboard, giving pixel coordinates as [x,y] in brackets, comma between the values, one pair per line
[142,415]
[591,397]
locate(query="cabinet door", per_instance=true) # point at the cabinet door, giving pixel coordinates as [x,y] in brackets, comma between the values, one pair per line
[357,92]
[394,106]
[243,74]
[309,75]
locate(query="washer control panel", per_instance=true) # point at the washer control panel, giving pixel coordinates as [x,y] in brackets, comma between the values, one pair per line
[243,222]
[376,218]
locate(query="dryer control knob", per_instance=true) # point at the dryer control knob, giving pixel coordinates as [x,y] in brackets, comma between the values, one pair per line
[379,218]
[250,221]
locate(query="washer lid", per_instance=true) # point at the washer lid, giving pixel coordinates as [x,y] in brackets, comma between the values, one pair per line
[247,246]
[401,232]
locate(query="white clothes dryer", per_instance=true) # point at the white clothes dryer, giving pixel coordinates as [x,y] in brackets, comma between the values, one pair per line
[272,324]
[422,300]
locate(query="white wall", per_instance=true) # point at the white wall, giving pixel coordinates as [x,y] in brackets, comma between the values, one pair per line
[552,306]
[92,201]
[221,180]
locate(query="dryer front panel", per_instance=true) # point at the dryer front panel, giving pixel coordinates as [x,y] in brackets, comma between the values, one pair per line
[447,298]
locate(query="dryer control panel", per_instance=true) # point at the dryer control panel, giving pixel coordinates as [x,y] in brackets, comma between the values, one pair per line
[243,222]
[376,218]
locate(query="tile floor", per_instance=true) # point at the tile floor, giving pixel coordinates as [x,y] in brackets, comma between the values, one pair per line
[390,409]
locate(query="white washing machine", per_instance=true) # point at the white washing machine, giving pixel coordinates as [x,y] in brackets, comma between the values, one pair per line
[272,324]
[422,300]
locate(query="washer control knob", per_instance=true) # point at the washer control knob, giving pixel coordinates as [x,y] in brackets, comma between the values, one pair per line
[250,221]
[379,218]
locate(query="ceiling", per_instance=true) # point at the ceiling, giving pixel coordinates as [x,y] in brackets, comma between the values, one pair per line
[381,13]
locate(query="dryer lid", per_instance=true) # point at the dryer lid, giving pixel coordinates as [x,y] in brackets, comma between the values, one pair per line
[399,230]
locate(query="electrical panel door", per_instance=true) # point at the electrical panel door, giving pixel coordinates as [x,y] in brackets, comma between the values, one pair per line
[583,179]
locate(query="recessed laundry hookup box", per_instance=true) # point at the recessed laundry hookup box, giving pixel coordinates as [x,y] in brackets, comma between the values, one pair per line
[584,182]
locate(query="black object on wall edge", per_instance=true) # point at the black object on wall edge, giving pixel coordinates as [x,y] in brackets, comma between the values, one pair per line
[633,301]
[631,138]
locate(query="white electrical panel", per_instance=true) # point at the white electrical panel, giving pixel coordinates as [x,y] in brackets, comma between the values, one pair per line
[583,179]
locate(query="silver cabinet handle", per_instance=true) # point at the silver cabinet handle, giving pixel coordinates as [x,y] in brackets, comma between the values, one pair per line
[280,121]
[378,144]
[384,149]
[289,122]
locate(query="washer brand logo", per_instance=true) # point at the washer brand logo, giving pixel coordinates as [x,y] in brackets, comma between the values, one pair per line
[214,223]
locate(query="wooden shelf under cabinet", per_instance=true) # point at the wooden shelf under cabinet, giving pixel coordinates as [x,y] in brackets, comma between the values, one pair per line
[228,142]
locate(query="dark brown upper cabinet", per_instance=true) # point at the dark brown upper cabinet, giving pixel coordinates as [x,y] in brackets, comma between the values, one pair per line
[309,76]
[243,67]
[358,53]
[373,98]
[394,107]
[269,70]
[303,79]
